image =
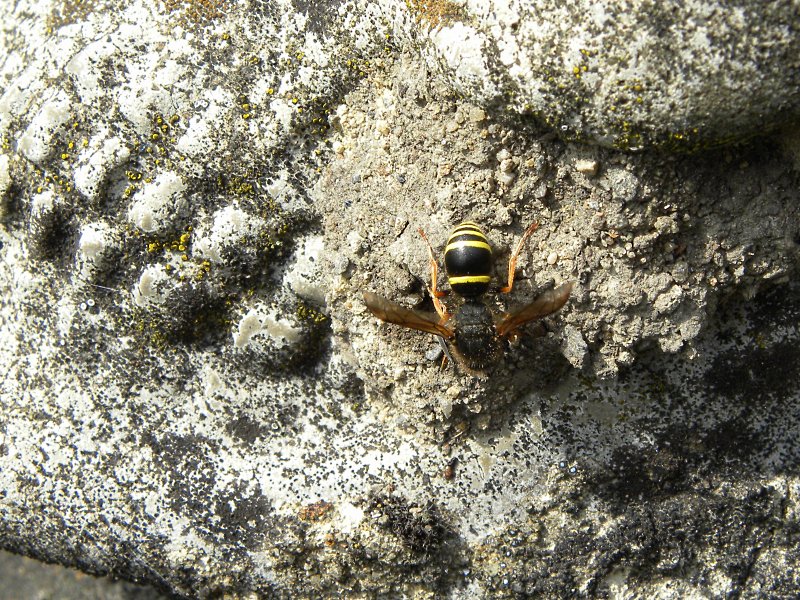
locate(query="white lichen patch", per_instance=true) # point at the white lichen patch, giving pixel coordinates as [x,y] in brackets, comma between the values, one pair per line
[462,48]
[43,202]
[37,143]
[96,239]
[230,226]
[279,330]
[348,518]
[85,67]
[103,153]
[199,138]
[159,204]
[282,112]
[153,286]
[303,276]
[5,178]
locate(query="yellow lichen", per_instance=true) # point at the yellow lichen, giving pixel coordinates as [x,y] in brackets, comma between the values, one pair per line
[436,13]
[198,10]
[67,12]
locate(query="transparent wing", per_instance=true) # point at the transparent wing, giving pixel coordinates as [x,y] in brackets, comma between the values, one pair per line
[390,312]
[544,305]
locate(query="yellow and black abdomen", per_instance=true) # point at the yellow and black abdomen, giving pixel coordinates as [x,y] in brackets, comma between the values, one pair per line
[468,260]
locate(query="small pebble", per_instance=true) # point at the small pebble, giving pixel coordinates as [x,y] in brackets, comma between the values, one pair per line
[508,165]
[587,167]
[506,179]
[382,127]
[476,115]
[453,391]
[340,264]
[552,258]
[354,242]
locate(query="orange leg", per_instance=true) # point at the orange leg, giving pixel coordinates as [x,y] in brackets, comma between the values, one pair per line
[435,292]
[512,263]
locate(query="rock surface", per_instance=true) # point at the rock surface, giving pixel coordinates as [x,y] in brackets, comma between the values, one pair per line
[652,242]
[195,195]
[627,74]
[26,578]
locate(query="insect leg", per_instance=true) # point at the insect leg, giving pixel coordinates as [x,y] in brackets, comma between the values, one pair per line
[446,356]
[435,293]
[512,263]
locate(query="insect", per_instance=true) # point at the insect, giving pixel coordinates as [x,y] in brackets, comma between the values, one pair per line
[476,336]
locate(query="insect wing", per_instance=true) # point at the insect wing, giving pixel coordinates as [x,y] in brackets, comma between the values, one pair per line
[390,312]
[544,305]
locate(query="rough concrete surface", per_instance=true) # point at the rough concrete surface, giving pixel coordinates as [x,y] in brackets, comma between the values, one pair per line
[31,580]
[195,196]
[652,242]
[628,73]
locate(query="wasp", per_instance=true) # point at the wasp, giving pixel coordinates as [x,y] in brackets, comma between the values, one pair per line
[477,337]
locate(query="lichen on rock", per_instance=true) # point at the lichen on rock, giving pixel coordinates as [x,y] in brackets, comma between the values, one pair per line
[194,197]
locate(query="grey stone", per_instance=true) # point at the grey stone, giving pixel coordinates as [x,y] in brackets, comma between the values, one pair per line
[26,578]
[626,74]
[195,396]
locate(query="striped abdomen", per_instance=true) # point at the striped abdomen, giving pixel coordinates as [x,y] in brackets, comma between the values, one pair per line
[468,260]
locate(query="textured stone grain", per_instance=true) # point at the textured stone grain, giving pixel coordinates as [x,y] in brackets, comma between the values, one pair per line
[195,195]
